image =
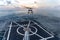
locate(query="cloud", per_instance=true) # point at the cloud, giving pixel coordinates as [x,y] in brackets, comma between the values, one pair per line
[41,2]
[49,3]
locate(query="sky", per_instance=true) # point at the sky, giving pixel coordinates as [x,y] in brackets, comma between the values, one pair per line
[19,3]
[41,3]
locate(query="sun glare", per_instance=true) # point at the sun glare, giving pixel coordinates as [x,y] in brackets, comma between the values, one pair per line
[28,3]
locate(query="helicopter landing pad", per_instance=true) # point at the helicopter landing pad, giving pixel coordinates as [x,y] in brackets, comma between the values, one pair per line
[36,32]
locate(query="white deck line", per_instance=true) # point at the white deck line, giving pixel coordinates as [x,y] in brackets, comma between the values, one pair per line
[17,24]
[19,32]
[37,35]
[31,31]
[43,29]
[40,27]
[28,24]
[9,31]
[50,25]
[49,37]
[4,34]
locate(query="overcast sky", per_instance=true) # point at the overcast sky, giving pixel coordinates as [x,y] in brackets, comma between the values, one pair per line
[41,2]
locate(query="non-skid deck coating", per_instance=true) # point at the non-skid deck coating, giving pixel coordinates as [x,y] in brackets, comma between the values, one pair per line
[40,34]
